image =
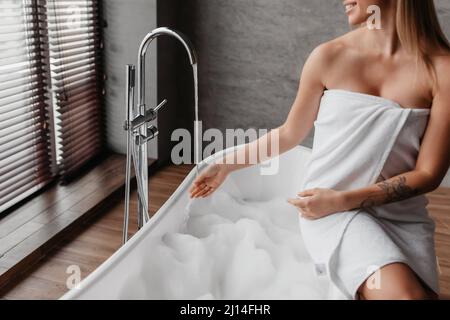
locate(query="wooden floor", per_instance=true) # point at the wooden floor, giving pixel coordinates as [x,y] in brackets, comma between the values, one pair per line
[102,237]
[31,228]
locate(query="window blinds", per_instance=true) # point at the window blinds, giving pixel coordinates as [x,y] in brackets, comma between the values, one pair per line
[24,135]
[73,28]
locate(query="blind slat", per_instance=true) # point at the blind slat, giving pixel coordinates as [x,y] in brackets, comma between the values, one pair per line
[21,106]
[19,135]
[12,124]
[79,105]
[27,144]
[79,157]
[74,88]
[24,158]
[23,95]
[72,134]
[27,179]
[10,161]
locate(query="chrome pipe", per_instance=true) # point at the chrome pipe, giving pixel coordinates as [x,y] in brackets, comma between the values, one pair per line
[152,132]
[150,115]
[140,186]
[129,98]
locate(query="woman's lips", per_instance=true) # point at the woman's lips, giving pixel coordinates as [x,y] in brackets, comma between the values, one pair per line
[349,6]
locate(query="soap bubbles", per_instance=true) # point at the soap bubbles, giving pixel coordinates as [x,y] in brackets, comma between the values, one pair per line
[229,248]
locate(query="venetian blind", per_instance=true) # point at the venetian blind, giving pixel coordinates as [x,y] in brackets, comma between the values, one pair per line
[25,164]
[75,52]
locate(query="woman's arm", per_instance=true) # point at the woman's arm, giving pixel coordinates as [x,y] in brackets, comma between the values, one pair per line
[400,187]
[298,123]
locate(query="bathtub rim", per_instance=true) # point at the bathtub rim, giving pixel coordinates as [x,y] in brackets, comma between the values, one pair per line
[121,253]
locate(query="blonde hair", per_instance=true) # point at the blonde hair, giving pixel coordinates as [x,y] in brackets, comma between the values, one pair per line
[419,30]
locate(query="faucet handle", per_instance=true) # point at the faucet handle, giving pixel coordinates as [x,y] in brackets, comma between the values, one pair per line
[159,106]
[152,132]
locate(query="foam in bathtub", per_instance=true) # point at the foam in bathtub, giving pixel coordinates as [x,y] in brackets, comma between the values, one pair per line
[230,249]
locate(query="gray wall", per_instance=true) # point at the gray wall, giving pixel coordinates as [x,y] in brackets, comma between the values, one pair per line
[127,24]
[443,8]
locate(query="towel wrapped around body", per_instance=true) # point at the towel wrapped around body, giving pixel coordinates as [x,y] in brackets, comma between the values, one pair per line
[361,139]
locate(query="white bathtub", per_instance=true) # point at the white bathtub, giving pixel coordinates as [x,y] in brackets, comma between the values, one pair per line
[106,281]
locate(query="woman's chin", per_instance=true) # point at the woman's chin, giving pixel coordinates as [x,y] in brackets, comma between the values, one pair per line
[356,17]
[355,21]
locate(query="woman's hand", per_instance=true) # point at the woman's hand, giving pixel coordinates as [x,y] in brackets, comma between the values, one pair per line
[208,181]
[318,203]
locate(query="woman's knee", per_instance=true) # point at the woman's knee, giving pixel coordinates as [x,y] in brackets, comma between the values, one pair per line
[396,282]
[412,294]
[397,294]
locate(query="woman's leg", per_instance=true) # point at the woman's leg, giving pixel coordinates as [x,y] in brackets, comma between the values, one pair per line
[395,281]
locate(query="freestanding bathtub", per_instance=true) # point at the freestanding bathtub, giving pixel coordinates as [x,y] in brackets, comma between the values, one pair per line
[106,281]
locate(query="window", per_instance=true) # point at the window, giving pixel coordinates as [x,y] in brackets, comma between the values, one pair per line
[24,123]
[50,94]
[74,53]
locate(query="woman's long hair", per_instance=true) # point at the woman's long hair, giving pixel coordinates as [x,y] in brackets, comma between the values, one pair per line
[419,30]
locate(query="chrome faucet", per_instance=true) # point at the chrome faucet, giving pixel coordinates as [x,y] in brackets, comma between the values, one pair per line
[136,124]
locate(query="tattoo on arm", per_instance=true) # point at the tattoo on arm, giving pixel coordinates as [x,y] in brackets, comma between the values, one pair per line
[394,190]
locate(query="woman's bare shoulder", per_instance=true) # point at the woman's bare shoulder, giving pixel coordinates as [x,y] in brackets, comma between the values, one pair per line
[342,45]
[441,62]
[326,52]
[333,52]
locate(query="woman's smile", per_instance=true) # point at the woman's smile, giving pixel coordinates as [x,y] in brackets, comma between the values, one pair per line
[349,6]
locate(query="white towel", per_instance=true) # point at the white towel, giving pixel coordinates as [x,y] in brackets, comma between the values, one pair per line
[360,139]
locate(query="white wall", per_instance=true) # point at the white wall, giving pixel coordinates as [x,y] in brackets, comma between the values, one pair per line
[128,22]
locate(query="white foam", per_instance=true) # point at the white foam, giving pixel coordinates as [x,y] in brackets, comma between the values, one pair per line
[229,249]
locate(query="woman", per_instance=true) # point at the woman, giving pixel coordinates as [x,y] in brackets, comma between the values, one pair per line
[406,62]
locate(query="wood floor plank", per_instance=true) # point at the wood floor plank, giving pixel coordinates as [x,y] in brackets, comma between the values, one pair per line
[60,198]
[12,239]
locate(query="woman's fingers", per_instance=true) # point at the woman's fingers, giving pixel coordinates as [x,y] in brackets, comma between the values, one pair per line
[203,192]
[200,190]
[196,193]
[198,181]
[194,187]
[300,203]
[196,190]
[306,193]
[211,190]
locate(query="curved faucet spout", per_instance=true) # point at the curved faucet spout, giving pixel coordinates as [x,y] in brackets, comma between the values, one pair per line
[143,51]
[169,32]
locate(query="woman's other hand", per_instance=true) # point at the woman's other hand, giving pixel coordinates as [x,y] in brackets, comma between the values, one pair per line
[208,181]
[318,203]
